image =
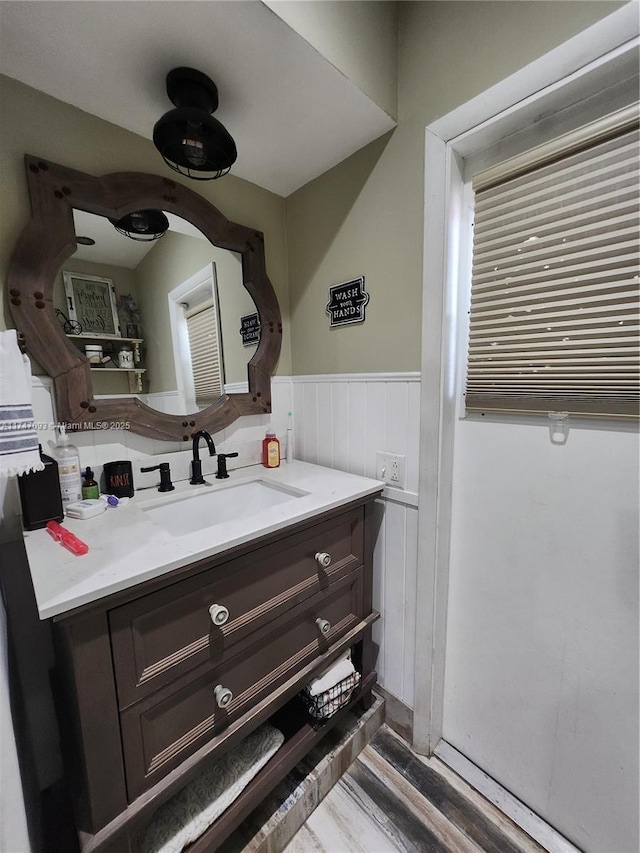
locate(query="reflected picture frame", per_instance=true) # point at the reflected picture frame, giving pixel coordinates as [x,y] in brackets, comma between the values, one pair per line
[91,301]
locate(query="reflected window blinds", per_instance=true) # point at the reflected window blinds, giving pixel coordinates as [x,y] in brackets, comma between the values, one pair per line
[554,317]
[202,326]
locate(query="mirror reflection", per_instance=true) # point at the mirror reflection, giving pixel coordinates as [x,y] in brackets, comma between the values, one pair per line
[177,305]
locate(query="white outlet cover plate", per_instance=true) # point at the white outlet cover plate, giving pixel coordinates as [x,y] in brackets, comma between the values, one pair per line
[391,468]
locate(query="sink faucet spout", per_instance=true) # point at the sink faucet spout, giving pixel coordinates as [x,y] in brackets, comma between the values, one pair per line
[196,464]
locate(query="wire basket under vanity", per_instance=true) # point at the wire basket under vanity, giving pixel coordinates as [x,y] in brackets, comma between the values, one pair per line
[326,704]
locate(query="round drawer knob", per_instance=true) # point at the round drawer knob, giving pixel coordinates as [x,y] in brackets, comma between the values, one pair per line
[219,614]
[324,625]
[323,559]
[223,696]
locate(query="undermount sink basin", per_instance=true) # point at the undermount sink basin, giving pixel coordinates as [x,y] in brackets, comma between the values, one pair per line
[190,513]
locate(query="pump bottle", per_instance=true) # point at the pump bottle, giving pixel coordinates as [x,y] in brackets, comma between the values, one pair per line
[68,459]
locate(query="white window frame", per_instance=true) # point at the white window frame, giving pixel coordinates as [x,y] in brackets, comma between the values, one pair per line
[573,84]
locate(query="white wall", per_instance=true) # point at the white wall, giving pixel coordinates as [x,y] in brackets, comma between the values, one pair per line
[341,420]
[541,674]
[245,435]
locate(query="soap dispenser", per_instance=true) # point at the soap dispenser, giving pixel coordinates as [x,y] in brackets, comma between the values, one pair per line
[68,459]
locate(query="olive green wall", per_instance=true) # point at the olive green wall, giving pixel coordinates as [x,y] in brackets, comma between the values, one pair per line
[359,39]
[169,262]
[365,216]
[34,123]
[172,261]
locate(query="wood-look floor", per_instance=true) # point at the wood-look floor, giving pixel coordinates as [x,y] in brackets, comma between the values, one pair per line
[393,800]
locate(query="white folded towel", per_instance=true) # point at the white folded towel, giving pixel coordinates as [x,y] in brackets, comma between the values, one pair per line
[18,437]
[329,677]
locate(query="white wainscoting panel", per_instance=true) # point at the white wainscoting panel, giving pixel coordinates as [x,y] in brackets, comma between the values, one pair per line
[340,421]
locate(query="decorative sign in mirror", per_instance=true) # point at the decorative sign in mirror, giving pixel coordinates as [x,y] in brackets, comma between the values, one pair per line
[170,359]
[250,330]
[91,302]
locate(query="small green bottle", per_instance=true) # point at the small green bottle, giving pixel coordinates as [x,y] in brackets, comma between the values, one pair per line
[90,488]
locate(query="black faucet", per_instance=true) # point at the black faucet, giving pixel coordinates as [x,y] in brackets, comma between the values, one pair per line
[165,476]
[222,465]
[196,464]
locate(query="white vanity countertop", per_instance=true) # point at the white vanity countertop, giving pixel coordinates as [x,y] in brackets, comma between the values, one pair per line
[126,547]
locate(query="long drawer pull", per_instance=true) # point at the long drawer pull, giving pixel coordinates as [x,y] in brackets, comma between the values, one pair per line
[219,614]
[223,696]
[323,559]
[324,625]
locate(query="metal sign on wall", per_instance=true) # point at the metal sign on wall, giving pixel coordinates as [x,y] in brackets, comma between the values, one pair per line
[250,330]
[347,302]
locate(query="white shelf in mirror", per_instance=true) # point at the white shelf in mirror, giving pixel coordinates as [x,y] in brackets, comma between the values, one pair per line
[135,342]
[87,336]
[134,373]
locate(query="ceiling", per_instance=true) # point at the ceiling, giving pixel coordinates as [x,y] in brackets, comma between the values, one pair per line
[113,248]
[292,114]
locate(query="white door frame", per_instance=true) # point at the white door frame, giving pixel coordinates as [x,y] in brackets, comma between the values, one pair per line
[494,126]
[180,335]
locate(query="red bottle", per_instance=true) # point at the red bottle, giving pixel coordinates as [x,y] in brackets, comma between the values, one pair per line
[270,451]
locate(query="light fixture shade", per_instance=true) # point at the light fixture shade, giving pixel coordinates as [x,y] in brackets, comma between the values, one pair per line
[142,225]
[190,140]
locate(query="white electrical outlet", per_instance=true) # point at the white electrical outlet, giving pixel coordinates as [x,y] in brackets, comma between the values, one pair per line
[391,468]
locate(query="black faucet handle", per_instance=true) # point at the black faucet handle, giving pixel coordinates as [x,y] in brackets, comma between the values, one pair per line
[165,476]
[222,473]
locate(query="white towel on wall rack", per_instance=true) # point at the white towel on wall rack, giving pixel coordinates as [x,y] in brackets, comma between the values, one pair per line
[18,437]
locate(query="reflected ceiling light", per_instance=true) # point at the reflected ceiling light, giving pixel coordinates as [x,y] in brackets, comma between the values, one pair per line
[190,140]
[142,225]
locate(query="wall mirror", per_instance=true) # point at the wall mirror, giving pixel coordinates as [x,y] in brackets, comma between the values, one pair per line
[180,358]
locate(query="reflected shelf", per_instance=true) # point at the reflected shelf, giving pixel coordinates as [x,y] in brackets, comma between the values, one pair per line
[134,373]
[87,336]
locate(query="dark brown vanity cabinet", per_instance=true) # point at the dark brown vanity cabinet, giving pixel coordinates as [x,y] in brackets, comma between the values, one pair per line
[154,681]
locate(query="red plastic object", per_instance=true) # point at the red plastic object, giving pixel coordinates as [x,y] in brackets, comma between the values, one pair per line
[66,537]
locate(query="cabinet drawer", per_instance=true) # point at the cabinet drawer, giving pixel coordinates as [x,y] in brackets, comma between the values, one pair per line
[161,731]
[158,638]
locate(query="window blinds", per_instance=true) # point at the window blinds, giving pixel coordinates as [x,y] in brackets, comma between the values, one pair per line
[206,364]
[554,322]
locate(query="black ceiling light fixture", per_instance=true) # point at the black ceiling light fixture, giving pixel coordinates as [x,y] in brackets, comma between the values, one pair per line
[142,225]
[190,140]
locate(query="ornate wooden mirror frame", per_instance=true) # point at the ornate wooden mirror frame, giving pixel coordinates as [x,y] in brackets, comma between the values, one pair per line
[48,241]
